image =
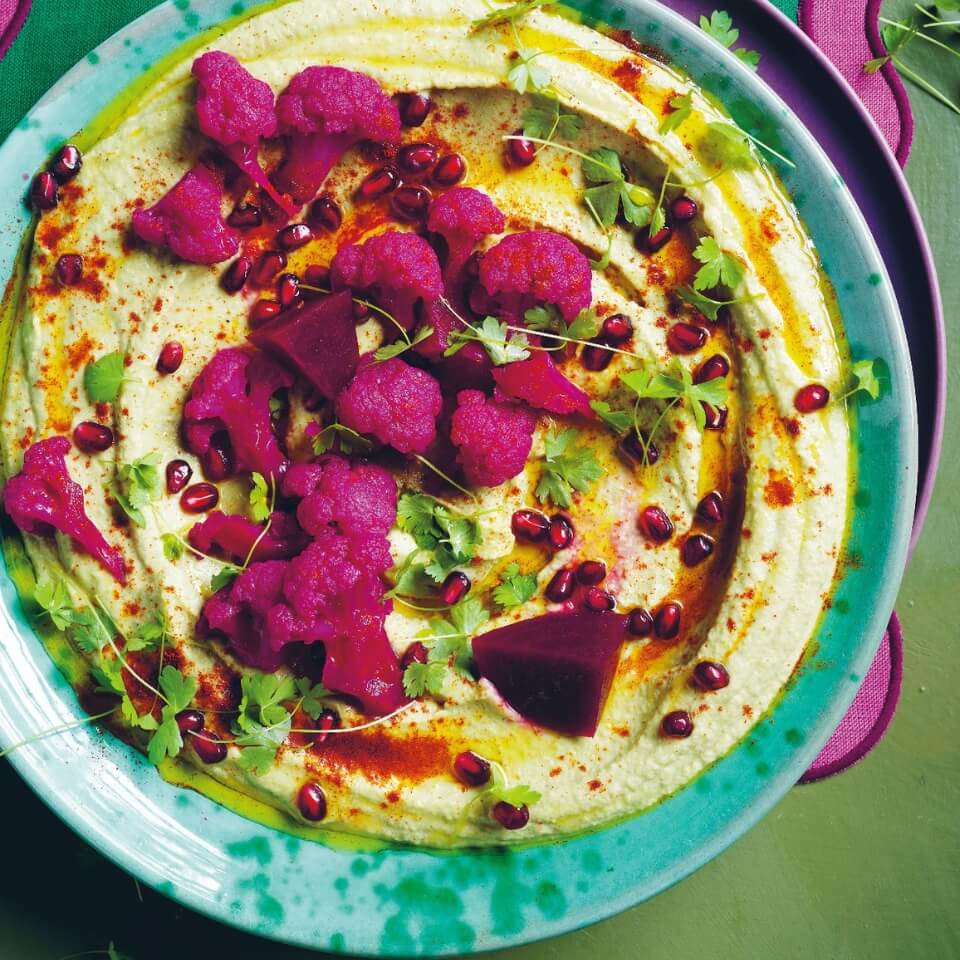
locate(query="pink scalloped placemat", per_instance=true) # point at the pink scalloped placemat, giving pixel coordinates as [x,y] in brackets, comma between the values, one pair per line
[848,33]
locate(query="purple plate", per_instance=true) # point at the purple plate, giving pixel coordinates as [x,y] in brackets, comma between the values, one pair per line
[816,92]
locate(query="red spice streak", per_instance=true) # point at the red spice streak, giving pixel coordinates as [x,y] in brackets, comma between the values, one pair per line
[779,491]
[79,352]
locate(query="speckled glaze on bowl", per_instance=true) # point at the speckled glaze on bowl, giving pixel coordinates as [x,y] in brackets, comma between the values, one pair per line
[405,902]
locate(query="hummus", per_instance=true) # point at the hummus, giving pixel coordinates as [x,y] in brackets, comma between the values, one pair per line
[782,474]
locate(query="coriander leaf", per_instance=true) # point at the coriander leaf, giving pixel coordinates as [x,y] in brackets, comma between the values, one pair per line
[750,57]
[604,168]
[224,578]
[450,639]
[54,599]
[718,267]
[585,326]
[102,378]
[129,713]
[509,14]
[502,346]
[88,632]
[865,374]
[259,498]
[566,467]
[518,796]
[649,386]
[719,25]
[528,75]
[872,66]
[709,307]
[178,689]
[391,350]
[682,105]
[261,696]
[731,142]
[166,740]
[604,165]
[515,588]
[637,204]
[148,635]
[452,537]
[546,317]
[256,757]
[312,696]
[604,201]
[617,420]
[468,616]
[349,441]
[411,580]
[598,266]
[546,119]
[415,515]
[421,678]
[173,546]
[137,485]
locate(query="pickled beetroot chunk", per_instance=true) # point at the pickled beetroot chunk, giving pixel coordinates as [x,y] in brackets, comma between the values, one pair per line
[319,341]
[538,267]
[397,269]
[43,497]
[539,382]
[232,536]
[236,110]
[393,402]
[463,217]
[494,438]
[555,670]
[188,220]
[325,111]
[469,368]
[232,393]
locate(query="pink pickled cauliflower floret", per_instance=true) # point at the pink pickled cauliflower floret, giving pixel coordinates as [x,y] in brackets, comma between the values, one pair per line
[398,269]
[325,111]
[538,267]
[493,438]
[43,498]
[233,536]
[331,592]
[396,403]
[232,393]
[463,217]
[187,219]
[236,110]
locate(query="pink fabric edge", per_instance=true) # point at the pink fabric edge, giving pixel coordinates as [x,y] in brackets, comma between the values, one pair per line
[894,641]
[888,71]
[14,27]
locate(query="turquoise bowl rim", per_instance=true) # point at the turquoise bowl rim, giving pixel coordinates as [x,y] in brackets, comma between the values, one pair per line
[407,902]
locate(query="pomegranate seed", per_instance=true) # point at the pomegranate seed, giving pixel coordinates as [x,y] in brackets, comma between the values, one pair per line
[710,508]
[696,549]
[510,817]
[592,572]
[560,532]
[683,209]
[268,266]
[595,358]
[171,356]
[561,586]
[288,289]
[207,749]
[360,311]
[67,163]
[326,213]
[632,446]
[676,725]
[716,417]
[410,203]
[317,275]
[657,241]
[415,653]
[179,473]
[599,600]
[189,721]
[70,269]
[414,108]
[235,276]
[449,170]
[655,524]
[44,193]
[470,769]
[640,623]
[217,460]
[686,338]
[815,396]
[709,675]
[529,525]
[616,329]
[199,498]
[378,183]
[716,366]
[272,210]
[244,216]
[455,587]
[521,153]
[327,721]
[666,621]
[312,802]
[417,157]
[91,437]
[263,310]
[294,236]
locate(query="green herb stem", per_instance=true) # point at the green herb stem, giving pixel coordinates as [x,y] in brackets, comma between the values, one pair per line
[443,476]
[62,728]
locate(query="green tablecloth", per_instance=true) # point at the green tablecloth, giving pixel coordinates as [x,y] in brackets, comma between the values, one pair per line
[866,865]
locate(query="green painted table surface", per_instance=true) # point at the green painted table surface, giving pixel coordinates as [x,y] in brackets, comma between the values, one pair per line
[865,865]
